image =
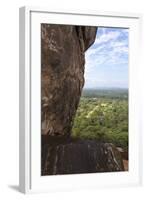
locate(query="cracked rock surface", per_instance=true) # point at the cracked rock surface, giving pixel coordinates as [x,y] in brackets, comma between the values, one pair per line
[80,156]
[62,74]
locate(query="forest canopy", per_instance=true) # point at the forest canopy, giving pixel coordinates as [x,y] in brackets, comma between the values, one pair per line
[103,115]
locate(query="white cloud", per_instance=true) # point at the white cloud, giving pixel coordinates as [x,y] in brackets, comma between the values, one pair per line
[110,49]
[107,47]
[106,37]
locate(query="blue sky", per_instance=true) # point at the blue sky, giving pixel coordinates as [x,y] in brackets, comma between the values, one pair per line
[107,59]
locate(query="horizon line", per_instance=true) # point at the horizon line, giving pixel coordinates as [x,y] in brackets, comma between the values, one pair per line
[126,88]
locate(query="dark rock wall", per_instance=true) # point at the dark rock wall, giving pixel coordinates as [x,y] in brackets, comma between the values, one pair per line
[62,74]
[82,156]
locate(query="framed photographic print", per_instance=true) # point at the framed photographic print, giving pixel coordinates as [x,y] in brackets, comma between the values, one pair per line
[79,100]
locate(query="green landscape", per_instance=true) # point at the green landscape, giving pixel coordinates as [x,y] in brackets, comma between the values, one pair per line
[103,115]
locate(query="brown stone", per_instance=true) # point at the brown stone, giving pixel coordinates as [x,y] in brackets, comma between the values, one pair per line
[79,156]
[62,74]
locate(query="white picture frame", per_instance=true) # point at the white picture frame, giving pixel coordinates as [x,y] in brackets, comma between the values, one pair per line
[29,160]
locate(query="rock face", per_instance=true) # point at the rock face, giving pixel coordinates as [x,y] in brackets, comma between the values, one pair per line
[81,156]
[62,74]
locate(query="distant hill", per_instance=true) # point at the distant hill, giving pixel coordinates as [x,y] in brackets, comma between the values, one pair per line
[106,93]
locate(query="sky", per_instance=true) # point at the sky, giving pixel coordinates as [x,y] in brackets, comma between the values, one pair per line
[106,63]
